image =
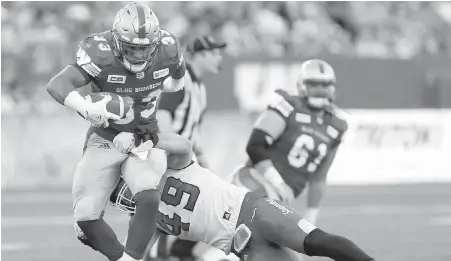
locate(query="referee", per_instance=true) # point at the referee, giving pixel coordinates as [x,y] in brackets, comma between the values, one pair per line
[182,113]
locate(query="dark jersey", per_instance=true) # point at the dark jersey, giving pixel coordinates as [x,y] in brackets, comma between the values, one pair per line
[306,140]
[97,61]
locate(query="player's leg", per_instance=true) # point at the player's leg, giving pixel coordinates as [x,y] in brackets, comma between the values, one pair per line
[96,176]
[277,223]
[143,177]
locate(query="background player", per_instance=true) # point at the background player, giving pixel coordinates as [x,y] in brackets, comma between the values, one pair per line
[295,140]
[138,60]
[182,112]
[198,205]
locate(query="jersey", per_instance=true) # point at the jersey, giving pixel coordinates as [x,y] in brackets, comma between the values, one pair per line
[187,107]
[97,61]
[197,205]
[306,140]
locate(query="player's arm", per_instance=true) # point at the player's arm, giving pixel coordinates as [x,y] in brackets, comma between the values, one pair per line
[317,184]
[63,88]
[268,128]
[317,187]
[178,149]
[167,109]
[175,81]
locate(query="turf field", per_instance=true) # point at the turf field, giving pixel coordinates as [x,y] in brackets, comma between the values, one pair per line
[393,223]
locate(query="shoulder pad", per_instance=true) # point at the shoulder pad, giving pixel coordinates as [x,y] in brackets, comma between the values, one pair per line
[280,102]
[94,54]
[169,46]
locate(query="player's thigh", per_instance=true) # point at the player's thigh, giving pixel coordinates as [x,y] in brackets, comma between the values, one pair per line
[95,177]
[279,224]
[141,175]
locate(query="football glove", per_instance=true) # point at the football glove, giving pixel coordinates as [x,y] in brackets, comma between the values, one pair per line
[97,114]
[284,192]
[124,142]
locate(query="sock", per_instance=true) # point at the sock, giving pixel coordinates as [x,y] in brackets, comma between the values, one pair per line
[143,223]
[320,243]
[102,238]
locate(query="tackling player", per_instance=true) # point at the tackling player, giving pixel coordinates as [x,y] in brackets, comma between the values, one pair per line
[198,205]
[137,60]
[295,140]
[182,112]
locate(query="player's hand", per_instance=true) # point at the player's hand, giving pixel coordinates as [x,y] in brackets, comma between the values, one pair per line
[285,192]
[202,160]
[124,142]
[97,114]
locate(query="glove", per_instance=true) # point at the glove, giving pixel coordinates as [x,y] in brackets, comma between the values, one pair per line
[124,142]
[97,114]
[284,192]
[202,160]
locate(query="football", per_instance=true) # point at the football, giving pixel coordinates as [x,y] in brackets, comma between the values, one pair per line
[118,105]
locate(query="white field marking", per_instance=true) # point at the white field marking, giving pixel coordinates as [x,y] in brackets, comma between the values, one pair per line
[49,221]
[387,210]
[26,198]
[373,210]
[28,246]
[440,221]
[11,247]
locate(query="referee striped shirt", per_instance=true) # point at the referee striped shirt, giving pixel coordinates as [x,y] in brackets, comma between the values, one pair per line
[187,106]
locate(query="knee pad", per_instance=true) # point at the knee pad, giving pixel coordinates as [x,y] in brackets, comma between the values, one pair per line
[242,236]
[147,198]
[88,208]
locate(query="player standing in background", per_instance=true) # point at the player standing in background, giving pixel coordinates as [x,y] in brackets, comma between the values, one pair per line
[295,140]
[182,113]
[138,61]
[196,204]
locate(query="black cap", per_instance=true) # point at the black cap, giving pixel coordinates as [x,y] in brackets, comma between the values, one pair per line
[205,43]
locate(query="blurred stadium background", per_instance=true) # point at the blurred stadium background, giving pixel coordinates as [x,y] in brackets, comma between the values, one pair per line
[392,61]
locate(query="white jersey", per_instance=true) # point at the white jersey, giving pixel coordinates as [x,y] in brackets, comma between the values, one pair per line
[197,205]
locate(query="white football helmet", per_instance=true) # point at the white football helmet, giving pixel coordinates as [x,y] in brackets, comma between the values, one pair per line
[316,83]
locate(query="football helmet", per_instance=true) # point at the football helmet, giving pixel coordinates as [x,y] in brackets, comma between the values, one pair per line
[122,198]
[136,33]
[316,83]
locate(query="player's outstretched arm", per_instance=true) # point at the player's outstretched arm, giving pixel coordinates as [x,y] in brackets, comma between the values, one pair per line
[267,129]
[178,148]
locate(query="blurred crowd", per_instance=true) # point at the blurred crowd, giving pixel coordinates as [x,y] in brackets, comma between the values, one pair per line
[39,38]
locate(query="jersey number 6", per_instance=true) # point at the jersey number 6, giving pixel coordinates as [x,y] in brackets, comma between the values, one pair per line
[301,150]
[172,195]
